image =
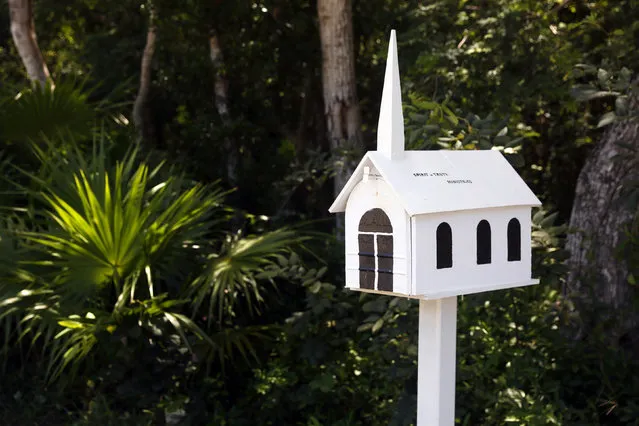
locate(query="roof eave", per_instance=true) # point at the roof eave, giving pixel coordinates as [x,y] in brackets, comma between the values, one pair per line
[412,213]
[339,205]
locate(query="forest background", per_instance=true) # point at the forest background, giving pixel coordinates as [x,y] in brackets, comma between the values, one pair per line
[166,254]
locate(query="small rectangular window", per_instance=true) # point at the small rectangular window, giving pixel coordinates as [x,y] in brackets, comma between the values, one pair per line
[514,240]
[484,249]
[444,240]
[385,262]
[366,261]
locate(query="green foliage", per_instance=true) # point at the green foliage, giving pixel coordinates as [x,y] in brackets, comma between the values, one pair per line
[432,125]
[64,111]
[146,298]
[616,88]
[349,358]
[108,259]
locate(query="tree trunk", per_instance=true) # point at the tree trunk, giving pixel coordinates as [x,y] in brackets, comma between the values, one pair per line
[141,113]
[24,37]
[341,106]
[221,104]
[600,219]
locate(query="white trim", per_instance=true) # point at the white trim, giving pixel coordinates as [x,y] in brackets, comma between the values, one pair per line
[410,263]
[394,257]
[450,293]
[436,362]
[390,127]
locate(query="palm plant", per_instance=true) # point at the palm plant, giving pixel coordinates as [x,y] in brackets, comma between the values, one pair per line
[120,246]
[68,110]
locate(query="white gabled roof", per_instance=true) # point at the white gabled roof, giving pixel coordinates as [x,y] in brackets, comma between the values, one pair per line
[443,181]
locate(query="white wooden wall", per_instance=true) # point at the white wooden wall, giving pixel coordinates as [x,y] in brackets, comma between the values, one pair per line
[466,276]
[366,196]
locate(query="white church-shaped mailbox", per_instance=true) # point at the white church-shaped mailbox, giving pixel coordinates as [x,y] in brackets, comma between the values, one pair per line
[433,224]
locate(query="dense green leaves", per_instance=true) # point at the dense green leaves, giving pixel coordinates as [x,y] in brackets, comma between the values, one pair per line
[102,255]
[126,277]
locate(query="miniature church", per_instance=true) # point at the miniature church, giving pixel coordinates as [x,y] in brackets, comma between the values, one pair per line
[433,224]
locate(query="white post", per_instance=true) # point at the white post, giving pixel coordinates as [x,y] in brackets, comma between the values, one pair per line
[436,362]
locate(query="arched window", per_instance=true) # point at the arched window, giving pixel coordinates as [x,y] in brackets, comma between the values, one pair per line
[514,240]
[375,251]
[483,243]
[444,246]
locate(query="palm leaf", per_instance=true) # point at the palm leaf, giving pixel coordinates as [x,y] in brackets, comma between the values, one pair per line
[38,110]
[70,110]
[113,235]
[232,275]
[237,343]
[112,223]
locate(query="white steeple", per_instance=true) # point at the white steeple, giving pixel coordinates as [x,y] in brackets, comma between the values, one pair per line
[390,129]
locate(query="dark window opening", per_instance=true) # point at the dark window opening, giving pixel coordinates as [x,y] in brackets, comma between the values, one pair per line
[514,240]
[444,240]
[385,262]
[366,261]
[483,243]
[375,220]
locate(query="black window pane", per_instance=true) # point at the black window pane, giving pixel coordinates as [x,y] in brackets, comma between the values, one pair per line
[514,240]
[375,220]
[366,262]
[385,281]
[367,279]
[444,246]
[385,247]
[385,262]
[483,243]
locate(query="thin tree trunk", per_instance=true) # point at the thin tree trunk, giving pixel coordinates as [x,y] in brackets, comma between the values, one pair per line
[341,106]
[24,37]
[141,113]
[599,220]
[221,104]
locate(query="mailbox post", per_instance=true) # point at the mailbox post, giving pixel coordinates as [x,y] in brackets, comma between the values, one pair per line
[433,225]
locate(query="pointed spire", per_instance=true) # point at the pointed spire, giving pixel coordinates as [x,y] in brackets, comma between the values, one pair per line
[390,129]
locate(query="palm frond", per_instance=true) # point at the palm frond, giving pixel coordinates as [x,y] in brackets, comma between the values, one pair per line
[111,236]
[235,344]
[72,345]
[63,110]
[109,223]
[70,110]
[231,276]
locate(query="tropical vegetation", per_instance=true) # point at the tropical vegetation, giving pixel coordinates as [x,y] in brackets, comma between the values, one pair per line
[166,254]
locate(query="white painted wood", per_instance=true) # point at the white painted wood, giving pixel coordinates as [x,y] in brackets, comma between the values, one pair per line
[466,276]
[449,293]
[436,362]
[415,244]
[444,181]
[390,128]
[375,193]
